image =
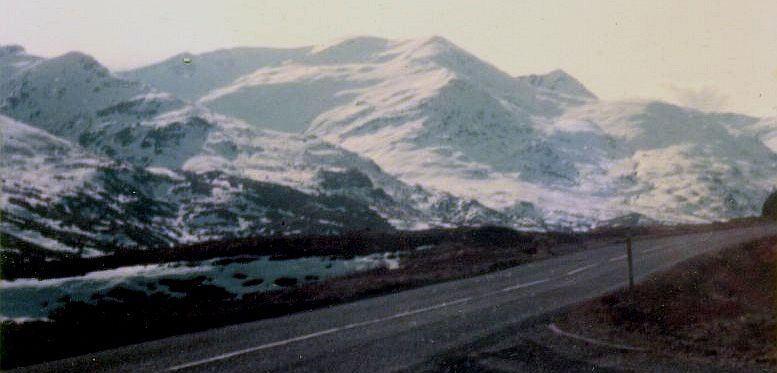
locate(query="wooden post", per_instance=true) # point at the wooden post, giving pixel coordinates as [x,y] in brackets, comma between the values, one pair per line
[631,262]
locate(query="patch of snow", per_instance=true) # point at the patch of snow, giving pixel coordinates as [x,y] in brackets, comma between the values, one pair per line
[162,171]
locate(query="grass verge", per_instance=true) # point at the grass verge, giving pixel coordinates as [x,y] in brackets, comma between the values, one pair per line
[718,309]
[125,316]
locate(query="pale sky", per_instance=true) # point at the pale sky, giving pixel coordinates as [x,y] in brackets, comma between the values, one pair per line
[712,55]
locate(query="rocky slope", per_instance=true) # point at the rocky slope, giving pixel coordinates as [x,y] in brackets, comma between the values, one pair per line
[132,165]
[61,197]
[361,133]
[539,147]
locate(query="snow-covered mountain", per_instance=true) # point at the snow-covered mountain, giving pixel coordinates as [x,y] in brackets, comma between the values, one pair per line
[361,133]
[108,162]
[285,89]
[209,70]
[766,131]
[541,147]
[666,162]
[558,82]
[59,196]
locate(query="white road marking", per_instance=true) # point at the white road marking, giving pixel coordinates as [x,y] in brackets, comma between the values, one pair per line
[620,257]
[581,269]
[521,286]
[557,330]
[316,334]
[553,327]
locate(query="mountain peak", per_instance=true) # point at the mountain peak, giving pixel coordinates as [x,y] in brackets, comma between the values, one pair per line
[80,60]
[558,81]
[76,56]
[439,41]
[12,49]
[431,47]
[372,48]
[559,74]
[350,49]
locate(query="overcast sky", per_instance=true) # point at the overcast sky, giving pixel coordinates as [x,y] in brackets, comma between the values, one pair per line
[713,55]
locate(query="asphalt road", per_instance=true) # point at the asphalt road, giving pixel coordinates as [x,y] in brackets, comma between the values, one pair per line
[402,330]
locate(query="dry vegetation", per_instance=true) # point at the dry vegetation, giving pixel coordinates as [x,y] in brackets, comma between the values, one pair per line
[125,316]
[719,308]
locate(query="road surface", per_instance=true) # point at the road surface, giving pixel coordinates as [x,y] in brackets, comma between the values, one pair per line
[402,330]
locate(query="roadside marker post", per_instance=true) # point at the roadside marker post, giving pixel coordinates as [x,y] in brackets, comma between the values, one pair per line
[631,261]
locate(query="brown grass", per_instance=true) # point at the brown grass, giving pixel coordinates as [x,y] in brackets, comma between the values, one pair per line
[138,317]
[718,308]
[464,252]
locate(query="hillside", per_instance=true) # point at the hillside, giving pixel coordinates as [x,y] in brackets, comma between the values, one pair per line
[360,133]
[540,148]
[166,171]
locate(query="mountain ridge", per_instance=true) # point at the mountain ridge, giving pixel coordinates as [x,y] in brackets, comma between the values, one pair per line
[407,134]
[416,98]
[179,148]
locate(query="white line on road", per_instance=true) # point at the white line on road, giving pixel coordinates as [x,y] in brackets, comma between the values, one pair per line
[316,334]
[407,313]
[581,269]
[617,258]
[526,285]
[651,250]
[557,330]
